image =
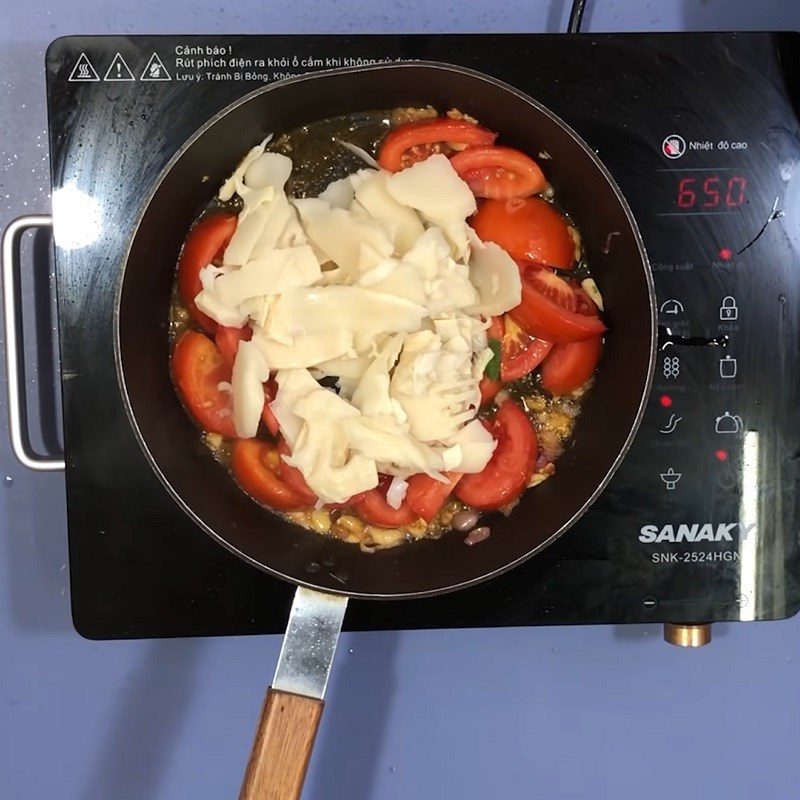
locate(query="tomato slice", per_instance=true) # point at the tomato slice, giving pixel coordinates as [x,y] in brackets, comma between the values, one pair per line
[426,495]
[509,470]
[228,339]
[293,478]
[497,329]
[415,141]
[569,366]
[529,229]
[488,389]
[550,309]
[373,508]
[350,503]
[267,417]
[260,471]
[198,368]
[520,352]
[585,304]
[206,241]
[499,172]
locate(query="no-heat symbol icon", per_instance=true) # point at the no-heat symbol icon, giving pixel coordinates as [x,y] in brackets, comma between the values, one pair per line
[155,70]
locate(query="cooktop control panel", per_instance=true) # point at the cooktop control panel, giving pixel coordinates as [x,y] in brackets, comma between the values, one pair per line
[701,133]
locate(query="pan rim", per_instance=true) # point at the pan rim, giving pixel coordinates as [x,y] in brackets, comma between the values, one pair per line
[590,500]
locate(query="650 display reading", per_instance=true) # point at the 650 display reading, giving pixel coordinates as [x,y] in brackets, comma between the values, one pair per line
[710,192]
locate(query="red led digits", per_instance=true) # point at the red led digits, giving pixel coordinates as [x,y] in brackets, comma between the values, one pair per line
[699,192]
[686,194]
[735,195]
[665,400]
[711,192]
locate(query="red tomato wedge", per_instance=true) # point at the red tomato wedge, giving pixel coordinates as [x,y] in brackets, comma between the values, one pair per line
[415,141]
[528,229]
[293,478]
[520,352]
[373,508]
[585,303]
[206,241]
[488,389]
[351,502]
[510,468]
[550,309]
[426,495]
[497,329]
[569,366]
[198,368]
[499,172]
[267,417]
[228,339]
[260,471]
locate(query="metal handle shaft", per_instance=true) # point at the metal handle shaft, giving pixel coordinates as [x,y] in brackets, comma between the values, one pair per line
[13,336]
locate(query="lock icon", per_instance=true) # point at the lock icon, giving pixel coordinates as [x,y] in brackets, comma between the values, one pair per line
[728,310]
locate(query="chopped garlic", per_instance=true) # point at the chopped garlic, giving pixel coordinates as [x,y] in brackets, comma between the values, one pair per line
[396,492]
[590,287]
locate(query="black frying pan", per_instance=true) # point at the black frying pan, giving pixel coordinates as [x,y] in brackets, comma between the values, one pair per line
[610,414]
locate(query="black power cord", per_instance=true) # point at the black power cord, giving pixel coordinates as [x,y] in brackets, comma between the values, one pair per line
[575,16]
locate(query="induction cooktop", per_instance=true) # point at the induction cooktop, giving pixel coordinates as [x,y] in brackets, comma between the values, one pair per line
[700,523]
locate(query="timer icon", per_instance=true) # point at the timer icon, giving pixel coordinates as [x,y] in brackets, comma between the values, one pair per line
[673,146]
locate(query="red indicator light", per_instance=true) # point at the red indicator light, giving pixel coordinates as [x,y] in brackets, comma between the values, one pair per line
[665,400]
[722,455]
[725,254]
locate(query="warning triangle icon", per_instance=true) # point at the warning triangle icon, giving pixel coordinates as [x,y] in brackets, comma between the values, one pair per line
[155,70]
[119,70]
[83,70]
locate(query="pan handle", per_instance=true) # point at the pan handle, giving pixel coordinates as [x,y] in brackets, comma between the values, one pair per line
[293,706]
[282,748]
[13,335]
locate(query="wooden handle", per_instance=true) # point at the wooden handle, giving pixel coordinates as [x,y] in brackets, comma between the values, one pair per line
[282,747]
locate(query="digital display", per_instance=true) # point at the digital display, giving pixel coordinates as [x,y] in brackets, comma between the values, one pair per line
[709,192]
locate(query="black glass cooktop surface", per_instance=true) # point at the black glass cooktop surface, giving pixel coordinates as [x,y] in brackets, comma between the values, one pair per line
[701,132]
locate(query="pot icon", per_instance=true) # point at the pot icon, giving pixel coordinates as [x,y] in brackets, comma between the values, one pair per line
[729,423]
[727,367]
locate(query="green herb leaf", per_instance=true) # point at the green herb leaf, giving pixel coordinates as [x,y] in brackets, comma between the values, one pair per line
[492,370]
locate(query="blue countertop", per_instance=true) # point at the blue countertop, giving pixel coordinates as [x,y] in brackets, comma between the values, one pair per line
[563,712]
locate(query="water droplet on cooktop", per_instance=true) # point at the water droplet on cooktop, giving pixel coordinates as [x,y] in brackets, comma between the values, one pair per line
[8,481]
